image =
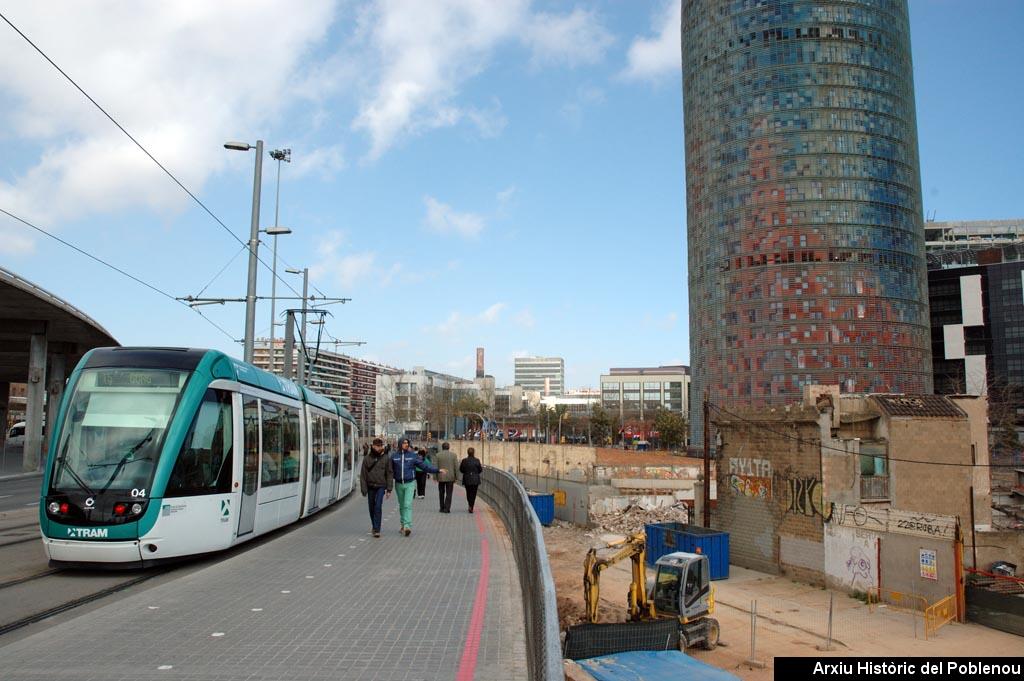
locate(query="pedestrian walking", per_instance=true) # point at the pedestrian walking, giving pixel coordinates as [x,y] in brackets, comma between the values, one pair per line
[470,470]
[447,460]
[421,475]
[375,482]
[405,461]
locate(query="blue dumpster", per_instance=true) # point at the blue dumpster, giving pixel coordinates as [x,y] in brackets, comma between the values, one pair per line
[665,538]
[544,506]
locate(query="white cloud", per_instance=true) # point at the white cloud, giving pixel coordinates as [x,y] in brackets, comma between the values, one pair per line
[457,324]
[443,219]
[492,314]
[516,354]
[584,97]
[14,238]
[166,72]
[506,195]
[422,53]
[324,162]
[345,269]
[525,319]
[572,39]
[658,56]
[426,50]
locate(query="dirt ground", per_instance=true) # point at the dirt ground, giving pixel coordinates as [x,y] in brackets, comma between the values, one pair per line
[608,456]
[792,617]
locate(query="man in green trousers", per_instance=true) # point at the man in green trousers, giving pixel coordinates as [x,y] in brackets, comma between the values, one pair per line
[404,463]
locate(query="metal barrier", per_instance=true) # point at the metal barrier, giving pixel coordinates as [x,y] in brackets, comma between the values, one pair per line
[941,612]
[507,496]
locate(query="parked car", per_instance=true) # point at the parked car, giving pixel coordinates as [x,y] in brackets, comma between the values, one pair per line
[16,435]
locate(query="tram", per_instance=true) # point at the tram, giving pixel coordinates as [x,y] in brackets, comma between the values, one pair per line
[163,453]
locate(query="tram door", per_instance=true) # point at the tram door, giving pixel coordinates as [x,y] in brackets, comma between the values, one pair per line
[250,464]
[337,441]
[316,466]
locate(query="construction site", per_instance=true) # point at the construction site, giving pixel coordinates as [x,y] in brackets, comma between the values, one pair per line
[837,539]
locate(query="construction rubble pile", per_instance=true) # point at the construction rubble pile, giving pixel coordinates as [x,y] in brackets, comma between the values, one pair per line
[633,518]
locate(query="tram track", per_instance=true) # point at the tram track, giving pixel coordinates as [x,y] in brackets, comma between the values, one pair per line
[21,580]
[74,603]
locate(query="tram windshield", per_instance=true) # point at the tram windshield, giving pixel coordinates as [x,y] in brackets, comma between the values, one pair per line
[114,428]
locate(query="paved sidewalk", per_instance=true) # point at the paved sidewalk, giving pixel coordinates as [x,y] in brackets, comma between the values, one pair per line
[323,601]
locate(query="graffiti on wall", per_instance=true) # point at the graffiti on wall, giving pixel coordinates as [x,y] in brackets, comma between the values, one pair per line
[858,517]
[751,477]
[804,497]
[858,564]
[893,520]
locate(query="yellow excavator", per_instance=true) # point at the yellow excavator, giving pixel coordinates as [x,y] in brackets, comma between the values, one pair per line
[681,588]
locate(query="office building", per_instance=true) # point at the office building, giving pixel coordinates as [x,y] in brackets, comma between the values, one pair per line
[804,217]
[350,381]
[636,394]
[545,375]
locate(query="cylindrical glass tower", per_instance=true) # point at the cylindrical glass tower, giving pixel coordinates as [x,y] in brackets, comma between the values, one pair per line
[804,219]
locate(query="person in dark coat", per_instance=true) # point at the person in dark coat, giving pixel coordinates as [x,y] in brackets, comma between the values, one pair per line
[470,470]
[421,475]
[376,480]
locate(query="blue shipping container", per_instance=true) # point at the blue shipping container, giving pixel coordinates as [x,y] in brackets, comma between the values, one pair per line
[544,506]
[665,538]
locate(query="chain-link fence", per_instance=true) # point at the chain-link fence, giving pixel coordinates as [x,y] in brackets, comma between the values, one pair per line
[813,622]
[507,496]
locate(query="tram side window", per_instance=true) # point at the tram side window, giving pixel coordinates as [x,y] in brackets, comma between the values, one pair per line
[290,449]
[350,446]
[316,446]
[204,462]
[272,440]
[251,424]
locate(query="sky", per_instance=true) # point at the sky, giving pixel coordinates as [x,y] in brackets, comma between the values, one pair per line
[471,173]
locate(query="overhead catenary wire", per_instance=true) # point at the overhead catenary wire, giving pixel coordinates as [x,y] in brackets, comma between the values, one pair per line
[822,445]
[142,148]
[117,269]
[216,276]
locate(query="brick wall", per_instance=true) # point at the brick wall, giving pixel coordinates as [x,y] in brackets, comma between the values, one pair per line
[771,499]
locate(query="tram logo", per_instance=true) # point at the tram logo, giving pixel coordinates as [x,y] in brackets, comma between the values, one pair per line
[87,532]
[225,510]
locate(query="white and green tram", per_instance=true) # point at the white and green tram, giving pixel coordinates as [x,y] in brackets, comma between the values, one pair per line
[163,453]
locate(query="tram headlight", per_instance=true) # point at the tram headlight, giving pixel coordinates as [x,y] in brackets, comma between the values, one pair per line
[136,508]
[54,507]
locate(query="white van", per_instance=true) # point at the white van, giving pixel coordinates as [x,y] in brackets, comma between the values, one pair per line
[16,435]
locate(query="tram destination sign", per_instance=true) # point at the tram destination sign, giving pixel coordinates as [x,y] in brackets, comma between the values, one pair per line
[137,378]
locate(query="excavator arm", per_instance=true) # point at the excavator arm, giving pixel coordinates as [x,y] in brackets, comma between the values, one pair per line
[598,559]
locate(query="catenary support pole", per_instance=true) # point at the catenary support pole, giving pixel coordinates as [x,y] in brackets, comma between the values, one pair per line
[254,244]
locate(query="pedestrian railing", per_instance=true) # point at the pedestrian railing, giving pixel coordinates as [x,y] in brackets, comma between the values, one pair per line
[507,496]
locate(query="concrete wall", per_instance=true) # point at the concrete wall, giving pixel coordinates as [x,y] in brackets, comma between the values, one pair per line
[940,490]
[1005,545]
[576,508]
[977,415]
[901,566]
[851,558]
[551,461]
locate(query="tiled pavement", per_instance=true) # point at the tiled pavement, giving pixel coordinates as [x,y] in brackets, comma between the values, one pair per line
[323,601]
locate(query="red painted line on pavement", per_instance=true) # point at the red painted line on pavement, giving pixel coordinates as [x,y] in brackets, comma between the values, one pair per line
[467,666]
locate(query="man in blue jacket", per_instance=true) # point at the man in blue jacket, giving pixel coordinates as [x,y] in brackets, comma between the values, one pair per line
[404,463]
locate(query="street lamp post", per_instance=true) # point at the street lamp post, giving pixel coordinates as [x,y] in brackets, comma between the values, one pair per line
[286,156]
[254,241]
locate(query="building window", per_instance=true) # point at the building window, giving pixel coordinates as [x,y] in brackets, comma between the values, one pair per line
[874,471]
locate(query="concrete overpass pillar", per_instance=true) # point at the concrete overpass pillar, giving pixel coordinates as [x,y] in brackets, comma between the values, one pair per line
[5,398]
[34,402]
[54,393]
